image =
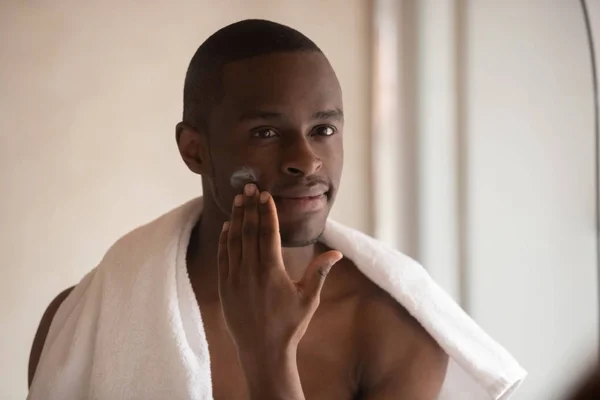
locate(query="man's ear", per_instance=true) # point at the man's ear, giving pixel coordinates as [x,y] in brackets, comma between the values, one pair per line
[193,148]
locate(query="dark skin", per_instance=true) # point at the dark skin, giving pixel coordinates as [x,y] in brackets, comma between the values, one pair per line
[310,331]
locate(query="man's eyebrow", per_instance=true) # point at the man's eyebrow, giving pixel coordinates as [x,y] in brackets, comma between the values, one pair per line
[335,114]
[250,115]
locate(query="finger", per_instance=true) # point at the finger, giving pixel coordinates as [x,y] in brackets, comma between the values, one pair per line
[223,256]
[250,225]
[269,242]
[234,237]
[316,273]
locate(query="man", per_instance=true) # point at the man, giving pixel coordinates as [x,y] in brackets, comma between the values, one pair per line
[262,96]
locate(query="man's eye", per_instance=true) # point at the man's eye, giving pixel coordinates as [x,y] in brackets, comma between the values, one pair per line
[324,130]
[266,133]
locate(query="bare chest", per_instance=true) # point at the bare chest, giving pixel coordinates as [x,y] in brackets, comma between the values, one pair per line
[327,360]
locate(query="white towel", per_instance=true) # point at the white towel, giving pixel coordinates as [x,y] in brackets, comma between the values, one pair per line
[131,329]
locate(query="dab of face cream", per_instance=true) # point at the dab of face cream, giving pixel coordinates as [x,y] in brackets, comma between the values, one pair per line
[242,176]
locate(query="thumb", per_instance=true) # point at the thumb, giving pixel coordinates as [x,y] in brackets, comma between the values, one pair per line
[317,271]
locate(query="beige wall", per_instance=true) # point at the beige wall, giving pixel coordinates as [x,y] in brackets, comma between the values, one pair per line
[505,213]
[89,98]
[532,267]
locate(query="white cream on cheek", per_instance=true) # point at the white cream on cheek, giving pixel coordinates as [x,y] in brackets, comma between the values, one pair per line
[242,176]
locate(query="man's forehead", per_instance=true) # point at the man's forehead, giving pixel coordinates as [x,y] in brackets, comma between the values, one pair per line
[295,85]
[281,74]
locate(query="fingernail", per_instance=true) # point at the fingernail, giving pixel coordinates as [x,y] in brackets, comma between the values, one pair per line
[225,226]
[238,200]
[264,197]
[249,189]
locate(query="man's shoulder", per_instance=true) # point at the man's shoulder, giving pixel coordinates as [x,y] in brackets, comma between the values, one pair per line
[391,342]
[372,303]
[377,309]
[378,313]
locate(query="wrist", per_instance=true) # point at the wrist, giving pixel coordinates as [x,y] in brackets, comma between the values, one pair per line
[267,355]
[272,374]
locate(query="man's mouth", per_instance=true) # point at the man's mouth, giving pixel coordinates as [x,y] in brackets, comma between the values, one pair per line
[301,204]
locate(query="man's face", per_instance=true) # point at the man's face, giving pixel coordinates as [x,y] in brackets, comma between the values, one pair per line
[281,116]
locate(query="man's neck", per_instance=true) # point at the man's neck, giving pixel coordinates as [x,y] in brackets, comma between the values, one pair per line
[204,244]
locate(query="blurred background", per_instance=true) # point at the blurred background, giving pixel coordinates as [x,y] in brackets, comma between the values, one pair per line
[470,145]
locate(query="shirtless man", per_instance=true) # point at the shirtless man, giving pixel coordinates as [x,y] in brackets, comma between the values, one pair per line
[262,95]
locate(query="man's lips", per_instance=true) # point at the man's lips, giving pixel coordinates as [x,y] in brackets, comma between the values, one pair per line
[299,197]
[301,192]
[300,204]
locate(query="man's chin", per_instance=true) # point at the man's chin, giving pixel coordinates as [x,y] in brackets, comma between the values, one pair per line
[302,230]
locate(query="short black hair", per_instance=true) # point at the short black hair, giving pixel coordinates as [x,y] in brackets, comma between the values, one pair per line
[235,42]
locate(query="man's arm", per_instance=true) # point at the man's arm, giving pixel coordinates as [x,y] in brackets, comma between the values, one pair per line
[399,358]
[42,332]
[266,312]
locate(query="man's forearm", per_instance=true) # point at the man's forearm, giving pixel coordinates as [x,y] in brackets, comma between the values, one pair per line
[272,375]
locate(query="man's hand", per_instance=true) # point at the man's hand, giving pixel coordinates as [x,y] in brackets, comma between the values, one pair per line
[265,311]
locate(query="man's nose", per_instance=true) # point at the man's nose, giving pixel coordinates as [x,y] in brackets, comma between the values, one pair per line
[300,159]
